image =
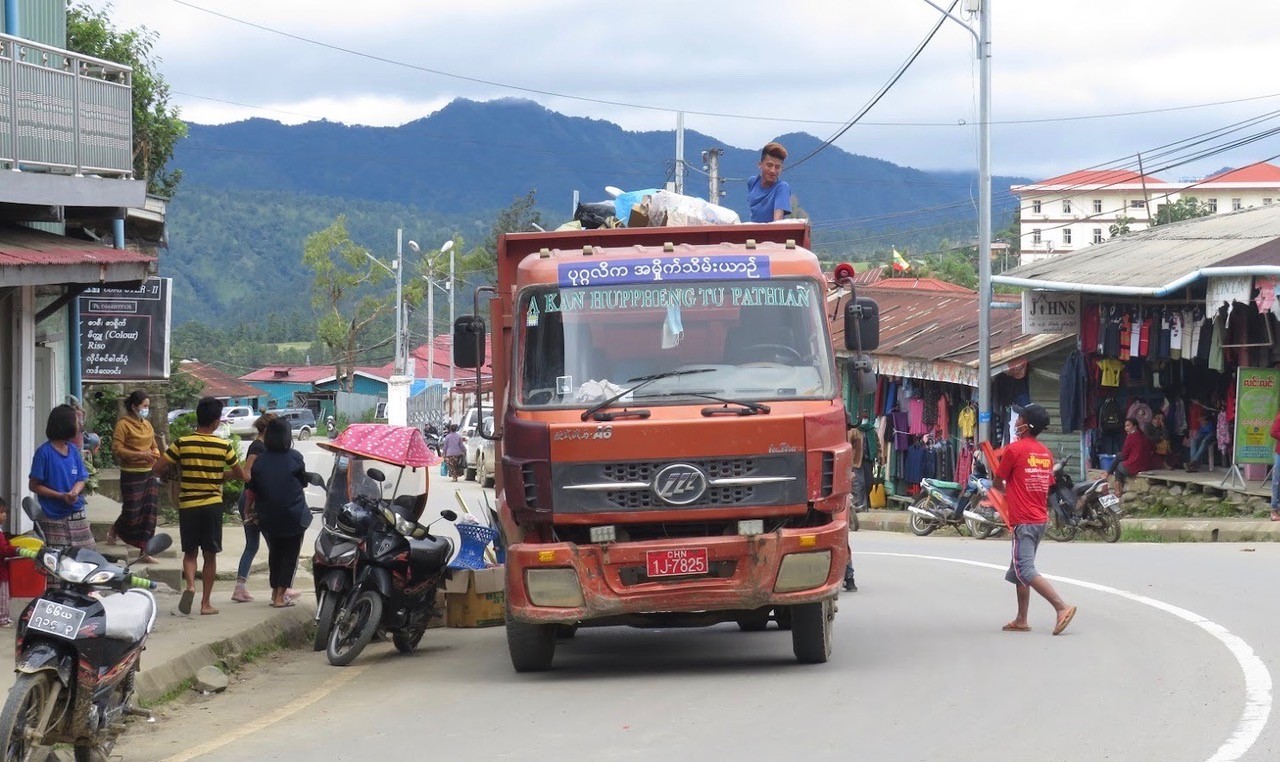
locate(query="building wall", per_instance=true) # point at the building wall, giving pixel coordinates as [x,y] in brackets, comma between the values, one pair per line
[362,385]
[42,21]
[280,393]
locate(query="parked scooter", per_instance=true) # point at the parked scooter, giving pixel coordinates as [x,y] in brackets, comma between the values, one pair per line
[1088,506]
[78,653]
[399,567]
[943,503]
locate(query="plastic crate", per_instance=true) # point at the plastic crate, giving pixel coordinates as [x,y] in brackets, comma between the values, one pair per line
[1105,461]
[475,538]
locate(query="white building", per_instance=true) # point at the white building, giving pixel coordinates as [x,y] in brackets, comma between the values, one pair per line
[1075,210]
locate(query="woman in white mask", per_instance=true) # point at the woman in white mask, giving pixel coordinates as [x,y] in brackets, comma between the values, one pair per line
[134,445]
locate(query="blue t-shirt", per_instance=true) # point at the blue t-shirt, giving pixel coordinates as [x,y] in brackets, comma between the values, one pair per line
[59,472]
[763,201]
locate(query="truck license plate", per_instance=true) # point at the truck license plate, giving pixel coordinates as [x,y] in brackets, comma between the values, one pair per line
[676,563]
[56,619]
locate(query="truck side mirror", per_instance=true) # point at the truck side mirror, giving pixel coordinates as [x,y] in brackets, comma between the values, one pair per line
[468,341]
[861,325]
[862,379]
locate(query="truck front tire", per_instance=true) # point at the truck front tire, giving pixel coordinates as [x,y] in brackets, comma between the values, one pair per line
[532,646]
[811,631]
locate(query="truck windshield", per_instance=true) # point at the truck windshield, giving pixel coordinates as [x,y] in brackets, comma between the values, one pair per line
[757,341]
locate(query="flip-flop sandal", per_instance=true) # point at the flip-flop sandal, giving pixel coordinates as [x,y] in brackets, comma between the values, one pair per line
[1065,620]
[184,603]
[284,605]
[1011,627]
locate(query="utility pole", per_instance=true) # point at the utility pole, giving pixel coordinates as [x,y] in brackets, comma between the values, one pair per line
[399,302]
[984,222]
[680,152]
[431,321]
[711,157]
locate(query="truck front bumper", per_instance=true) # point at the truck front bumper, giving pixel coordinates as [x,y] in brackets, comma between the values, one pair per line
[565,582]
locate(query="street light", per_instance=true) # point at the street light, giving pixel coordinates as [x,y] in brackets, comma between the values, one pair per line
[396,269]
[431,307]
[982,40]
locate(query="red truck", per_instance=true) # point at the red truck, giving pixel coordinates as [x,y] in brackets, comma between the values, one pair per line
[672,445]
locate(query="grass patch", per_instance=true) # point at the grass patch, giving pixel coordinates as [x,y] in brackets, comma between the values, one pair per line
[301,346]
[180,690]
[1130,533]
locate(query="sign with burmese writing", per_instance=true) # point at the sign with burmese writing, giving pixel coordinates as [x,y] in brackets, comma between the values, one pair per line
[1050,312]
[607,272]
[1257,398]
[124,333]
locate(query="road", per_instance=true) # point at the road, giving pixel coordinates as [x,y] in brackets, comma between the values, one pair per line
[1158,665]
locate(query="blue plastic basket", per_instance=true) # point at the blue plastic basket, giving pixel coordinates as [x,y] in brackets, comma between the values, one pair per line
[475,538]
[1105,461]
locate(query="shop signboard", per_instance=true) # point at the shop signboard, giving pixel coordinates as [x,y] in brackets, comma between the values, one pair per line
[1050,312]
[124,332]
[1257,401]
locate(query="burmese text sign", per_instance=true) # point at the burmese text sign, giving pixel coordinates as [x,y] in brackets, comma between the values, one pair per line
[124,333]
[1257,399]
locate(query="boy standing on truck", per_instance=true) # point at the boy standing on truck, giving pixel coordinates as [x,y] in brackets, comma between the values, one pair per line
[1025,473]
[768,196]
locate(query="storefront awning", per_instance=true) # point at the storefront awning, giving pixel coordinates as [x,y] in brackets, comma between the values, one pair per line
[36,258]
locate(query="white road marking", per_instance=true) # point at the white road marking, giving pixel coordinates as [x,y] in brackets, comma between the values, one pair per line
[1257,680]
[288,710]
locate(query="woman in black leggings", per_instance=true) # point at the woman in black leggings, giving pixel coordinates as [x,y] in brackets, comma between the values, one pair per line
[278,478]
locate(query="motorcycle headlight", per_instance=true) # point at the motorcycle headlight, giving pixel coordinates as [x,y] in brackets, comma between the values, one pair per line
[74,571]
[404,526]
[101,578]
[50,560]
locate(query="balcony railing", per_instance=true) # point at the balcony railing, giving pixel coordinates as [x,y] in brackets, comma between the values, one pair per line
[64,112]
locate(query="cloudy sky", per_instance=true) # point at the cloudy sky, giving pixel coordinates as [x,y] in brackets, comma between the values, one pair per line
[1067,76]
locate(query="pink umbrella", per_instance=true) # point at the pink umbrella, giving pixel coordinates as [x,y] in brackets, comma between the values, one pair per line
[396,445]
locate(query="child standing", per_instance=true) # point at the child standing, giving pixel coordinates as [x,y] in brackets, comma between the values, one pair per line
[7,551]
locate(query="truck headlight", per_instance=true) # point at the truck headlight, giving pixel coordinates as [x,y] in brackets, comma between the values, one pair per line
[801,571]
[554,587]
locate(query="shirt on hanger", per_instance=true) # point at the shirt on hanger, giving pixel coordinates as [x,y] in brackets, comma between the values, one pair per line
[968,422]
[1110,371]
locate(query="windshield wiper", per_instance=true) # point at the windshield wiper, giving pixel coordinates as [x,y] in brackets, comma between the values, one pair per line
[644,380]
[749,408]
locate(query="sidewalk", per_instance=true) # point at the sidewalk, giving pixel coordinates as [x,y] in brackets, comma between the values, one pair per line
[1189,529]
[180,645]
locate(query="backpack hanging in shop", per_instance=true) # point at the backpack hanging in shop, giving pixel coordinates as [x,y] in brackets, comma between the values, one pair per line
[1110,417]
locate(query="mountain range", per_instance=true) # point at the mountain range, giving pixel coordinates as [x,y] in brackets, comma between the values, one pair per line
[253,190]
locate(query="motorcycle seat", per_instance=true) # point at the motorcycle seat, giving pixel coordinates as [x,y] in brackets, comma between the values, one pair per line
[431,553]
[129,615]
[1081,489]
[940,484]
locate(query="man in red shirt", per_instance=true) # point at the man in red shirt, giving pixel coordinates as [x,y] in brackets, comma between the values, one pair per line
[1025,473]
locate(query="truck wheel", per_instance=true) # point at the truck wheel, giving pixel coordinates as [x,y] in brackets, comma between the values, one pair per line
[471,473]
[532,646]
[811,631]
[754,621]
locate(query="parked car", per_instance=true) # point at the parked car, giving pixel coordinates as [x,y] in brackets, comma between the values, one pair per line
[485,466]
[302,420]
[474,443]
[239,419]
[173,414]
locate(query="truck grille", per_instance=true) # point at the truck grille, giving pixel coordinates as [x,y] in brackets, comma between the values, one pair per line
[644,471]
[639,500]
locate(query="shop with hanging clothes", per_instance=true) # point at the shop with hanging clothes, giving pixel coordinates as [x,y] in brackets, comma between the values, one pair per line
[1189,349]
[922,420]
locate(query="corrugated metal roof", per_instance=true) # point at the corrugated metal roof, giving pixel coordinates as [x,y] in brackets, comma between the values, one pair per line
[25,247]
[218,383]
[1159,260]
[298,374]
[922,284]
[939,328]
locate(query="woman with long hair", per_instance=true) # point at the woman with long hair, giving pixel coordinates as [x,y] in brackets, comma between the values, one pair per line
[252,536]
[135,450]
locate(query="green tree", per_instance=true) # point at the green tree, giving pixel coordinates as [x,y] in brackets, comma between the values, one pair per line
[340,295]
[157,127]
[1120,226]
[519,217]
[1182,209]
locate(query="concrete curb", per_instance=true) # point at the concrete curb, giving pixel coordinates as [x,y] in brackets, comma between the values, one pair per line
[1199,529]
[157,680]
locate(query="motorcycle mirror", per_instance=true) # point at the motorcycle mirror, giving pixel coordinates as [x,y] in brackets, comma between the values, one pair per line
[315,479]
[376,475]
[448,515]
[157,544]
[30,507]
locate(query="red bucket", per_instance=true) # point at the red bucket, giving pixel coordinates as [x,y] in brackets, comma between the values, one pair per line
[24,580]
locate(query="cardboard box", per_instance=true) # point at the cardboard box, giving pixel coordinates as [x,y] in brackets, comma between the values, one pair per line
[476,598]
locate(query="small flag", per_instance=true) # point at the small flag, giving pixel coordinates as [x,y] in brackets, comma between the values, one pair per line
[900,264]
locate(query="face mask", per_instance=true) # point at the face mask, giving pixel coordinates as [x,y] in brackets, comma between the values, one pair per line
[143,412]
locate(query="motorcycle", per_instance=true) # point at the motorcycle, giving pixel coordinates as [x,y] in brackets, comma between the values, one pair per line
[399,567]
[78,653]
[1088,506]
[943,503]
